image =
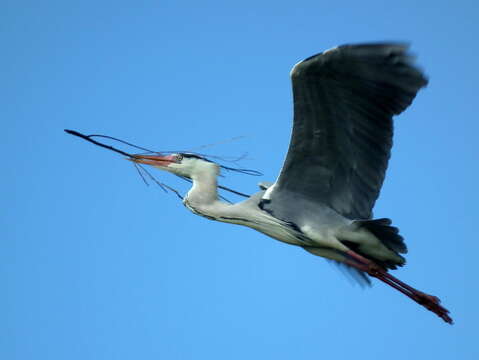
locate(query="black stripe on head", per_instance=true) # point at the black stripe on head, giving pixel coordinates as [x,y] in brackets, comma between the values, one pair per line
[194,156]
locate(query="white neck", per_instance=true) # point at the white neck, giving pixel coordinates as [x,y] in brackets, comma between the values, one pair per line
[202,198]
[204,190]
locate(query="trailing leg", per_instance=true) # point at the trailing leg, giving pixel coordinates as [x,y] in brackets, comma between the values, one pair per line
[430,302]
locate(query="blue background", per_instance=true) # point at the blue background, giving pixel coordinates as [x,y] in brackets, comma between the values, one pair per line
[96,265]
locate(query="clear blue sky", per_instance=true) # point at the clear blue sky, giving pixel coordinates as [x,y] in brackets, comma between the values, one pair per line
[96,265]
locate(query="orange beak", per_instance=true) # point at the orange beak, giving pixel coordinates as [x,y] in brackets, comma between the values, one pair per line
[153,160]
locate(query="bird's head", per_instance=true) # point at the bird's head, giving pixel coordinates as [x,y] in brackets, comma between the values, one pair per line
[181,164]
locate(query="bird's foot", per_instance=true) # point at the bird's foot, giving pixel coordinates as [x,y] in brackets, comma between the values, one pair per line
[432,303]
[426,298]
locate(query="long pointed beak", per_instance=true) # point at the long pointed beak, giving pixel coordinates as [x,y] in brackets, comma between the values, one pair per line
[153,160]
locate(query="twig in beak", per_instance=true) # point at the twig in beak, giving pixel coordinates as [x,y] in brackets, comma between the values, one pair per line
[88,138]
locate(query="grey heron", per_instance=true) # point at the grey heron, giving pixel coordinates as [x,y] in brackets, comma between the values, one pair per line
[344,102]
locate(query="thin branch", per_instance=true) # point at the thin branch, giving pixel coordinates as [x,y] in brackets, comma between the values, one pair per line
[233,191]
[137,167]
[124,142]
[163,186]
[87,138]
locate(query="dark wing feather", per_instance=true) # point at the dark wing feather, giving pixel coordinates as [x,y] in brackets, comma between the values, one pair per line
[344,101]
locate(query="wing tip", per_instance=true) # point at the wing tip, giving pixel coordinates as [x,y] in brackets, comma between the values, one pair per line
[396,50]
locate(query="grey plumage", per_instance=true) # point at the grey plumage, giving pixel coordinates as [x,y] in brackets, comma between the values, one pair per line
[344,100]
[322,201]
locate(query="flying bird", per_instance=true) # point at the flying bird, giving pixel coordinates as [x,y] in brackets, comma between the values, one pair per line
[344,102]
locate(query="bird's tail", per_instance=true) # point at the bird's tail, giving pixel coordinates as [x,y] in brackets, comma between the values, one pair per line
[387,234]
[389,237]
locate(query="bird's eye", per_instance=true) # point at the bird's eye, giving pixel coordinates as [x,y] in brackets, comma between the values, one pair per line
[179,157]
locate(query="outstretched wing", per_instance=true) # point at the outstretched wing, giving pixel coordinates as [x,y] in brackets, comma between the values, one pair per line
[344,101]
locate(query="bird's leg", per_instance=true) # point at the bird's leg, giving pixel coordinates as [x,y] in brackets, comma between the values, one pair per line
[430,302]
[374,269]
